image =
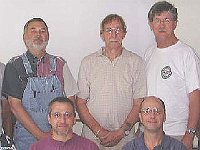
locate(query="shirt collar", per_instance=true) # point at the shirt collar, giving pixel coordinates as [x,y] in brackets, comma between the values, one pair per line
[100,52]
[164,143]
[32,58]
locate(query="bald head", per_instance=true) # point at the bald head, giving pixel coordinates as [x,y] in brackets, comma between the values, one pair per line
[152,100]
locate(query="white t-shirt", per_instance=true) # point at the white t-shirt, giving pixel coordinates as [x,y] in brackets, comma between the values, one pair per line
[172,73]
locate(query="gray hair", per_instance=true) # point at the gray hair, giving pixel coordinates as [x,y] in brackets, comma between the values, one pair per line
[34,20]
[61,100]
[110,18]
[160,7]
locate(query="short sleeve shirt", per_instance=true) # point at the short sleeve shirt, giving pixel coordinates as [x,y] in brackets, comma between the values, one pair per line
[76,143]
[172,73]
[168,143]
[16,78]
[110,87]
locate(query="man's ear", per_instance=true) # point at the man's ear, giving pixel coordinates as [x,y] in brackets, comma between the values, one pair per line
[102,36]
[164,117]
[150,25]
[48,118]
[74,121]
[175,25]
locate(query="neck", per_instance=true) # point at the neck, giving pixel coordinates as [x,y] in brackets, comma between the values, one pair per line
[112,53]
[38,53]
[62,136]
[153,139]
[163,43]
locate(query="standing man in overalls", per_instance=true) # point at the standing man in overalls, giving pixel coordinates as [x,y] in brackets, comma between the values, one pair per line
[31,81]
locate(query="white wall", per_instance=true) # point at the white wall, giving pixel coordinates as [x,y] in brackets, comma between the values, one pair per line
[73,26]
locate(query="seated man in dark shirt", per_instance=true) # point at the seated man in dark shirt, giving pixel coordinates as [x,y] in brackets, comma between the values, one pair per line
[62,118]
[152,115]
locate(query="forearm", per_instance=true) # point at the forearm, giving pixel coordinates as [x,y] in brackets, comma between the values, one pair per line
[7,116]
[72,98]
[194,109]
[24,118]
[86,117]
[133,116]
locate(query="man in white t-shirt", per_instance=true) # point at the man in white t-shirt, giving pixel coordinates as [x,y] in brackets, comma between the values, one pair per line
[173,75]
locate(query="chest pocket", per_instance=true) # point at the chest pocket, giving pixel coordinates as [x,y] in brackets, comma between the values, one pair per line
[40,91]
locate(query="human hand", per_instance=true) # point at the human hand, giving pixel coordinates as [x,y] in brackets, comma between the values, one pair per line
[112,138]
[187,140]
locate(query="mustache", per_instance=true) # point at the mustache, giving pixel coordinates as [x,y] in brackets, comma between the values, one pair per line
[162,30]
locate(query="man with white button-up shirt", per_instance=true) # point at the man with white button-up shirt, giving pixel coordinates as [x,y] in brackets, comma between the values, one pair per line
[111,84]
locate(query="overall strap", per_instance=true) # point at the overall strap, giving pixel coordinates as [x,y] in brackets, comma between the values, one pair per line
[26,64]
[52,62]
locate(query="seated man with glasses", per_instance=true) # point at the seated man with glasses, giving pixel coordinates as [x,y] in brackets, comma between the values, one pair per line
[152,115]
[62,118]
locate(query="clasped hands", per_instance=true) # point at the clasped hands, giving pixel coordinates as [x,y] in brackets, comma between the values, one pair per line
[110,138]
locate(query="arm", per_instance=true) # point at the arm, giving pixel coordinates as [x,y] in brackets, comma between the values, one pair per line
[133,116]
[194,111]
[23,117]
[72,98]
[88,119]
[7,118]
[115,136]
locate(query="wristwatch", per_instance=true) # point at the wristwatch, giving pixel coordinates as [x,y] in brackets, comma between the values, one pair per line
[191,130]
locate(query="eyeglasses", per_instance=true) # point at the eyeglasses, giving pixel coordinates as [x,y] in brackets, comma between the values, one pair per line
[116,30]
[58,115]
[165,21]
[148,110]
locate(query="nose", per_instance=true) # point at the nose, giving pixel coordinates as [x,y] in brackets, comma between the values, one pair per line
[38,33]
[152,114]
[113,33]
[62,119]
[162,22]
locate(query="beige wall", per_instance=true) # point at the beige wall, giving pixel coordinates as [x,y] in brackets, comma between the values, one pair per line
[188,28]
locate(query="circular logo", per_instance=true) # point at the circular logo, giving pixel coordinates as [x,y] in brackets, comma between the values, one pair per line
[166,72]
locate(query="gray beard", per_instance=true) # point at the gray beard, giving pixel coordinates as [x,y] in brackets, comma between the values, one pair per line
[38,47]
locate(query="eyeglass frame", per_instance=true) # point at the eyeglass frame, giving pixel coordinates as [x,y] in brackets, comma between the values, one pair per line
[159,21]
[117,30]
[58,115]
[149,110]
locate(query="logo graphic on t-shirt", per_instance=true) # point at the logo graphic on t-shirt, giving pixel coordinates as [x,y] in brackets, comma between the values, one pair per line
[166,72]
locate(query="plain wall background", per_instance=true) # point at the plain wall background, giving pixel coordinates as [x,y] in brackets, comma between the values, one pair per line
[74,26]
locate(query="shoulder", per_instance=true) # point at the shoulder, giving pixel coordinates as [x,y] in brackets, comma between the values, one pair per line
[136,143]
[15,59]
[83,140]
[149,51]
[132,59]
[91,59]
[185,49]
[14,63]
[2,67]
[58,58]
[91,56]
[83,143]
[131,56]
[40,144]
[173,143]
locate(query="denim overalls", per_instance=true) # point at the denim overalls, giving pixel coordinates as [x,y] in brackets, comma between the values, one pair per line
[38,93]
